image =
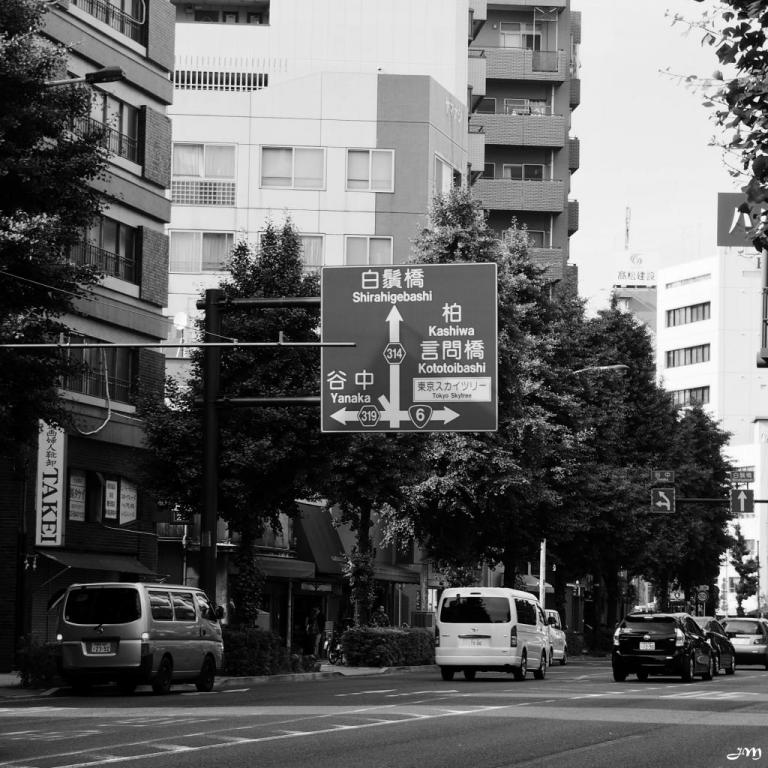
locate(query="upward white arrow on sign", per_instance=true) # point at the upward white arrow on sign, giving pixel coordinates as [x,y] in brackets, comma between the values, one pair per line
[742,497]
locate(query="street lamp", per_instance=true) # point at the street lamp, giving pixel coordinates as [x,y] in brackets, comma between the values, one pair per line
[103,75]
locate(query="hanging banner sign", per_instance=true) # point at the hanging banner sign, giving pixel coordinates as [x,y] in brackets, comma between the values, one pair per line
[49,485]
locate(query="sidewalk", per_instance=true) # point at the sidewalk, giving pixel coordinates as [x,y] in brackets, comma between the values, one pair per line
[10,684]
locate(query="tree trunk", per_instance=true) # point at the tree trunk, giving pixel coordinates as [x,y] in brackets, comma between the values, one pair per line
[362,603]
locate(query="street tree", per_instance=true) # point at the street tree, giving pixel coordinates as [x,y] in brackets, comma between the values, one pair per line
[746,567]
[488,496]
[49,161]
[736,29]
[268,456]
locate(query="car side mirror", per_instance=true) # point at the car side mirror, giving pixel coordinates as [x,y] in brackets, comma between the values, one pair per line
[219,611]
[551,621]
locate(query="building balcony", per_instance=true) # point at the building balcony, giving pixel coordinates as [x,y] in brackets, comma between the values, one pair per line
[108,14]
[576,27]
[476,67]
[523,64]
[574,152]
[117,143]
[573,216]
[522,130]
[575,94]
[111,264]
[476,150]
[551,259]
[478,15]
[520,195]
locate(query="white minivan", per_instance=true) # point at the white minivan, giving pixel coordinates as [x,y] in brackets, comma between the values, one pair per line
[481,629]
[133,633]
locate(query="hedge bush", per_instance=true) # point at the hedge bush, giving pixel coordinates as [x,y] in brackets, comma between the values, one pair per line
[36,662]
[388,647]
[252,651]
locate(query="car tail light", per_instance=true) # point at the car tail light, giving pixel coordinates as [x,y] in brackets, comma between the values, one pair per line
[513,637]
[616,636]
[758,641]
[679,637]
[437,636]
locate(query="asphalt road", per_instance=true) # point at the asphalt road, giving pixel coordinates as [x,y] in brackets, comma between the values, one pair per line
[576,718]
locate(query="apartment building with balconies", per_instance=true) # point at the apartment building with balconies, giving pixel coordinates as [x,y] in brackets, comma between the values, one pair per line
[104,520]
[524,84]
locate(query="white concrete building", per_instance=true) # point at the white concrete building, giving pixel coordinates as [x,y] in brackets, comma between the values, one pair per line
[708,333]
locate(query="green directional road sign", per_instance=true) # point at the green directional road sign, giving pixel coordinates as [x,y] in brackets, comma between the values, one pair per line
[742,502]
[425,354]
[663,500]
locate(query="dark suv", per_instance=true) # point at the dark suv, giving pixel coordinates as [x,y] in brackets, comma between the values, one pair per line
[661,644]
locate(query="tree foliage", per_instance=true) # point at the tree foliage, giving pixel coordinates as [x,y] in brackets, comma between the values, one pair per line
[47,199]
[746,567]
[267,454]
[737,31]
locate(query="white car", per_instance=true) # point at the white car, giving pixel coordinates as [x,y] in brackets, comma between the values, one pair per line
[558,646]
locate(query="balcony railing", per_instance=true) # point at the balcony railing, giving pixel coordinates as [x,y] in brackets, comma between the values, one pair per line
[523,64]
[105,12]
[523,130]
[117,143]
[94,383]
[520,195]
[112,264]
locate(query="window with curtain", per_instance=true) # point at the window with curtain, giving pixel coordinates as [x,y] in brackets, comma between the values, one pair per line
[199,251]
[312,251]
[363,250]
[210,161]
[293,167]
[370,170]
[445,176]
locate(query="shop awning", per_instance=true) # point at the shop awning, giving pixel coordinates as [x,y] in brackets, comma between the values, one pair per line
[286,567]
[98,561]
[395,573]
[322,538]
[531,584]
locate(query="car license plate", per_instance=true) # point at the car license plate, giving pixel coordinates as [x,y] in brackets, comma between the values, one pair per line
[476,643]
[647,646]
[101,648]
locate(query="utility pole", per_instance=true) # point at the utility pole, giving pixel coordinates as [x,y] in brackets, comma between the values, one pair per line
[211,385]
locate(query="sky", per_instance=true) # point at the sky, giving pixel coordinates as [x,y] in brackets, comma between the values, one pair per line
[644,142]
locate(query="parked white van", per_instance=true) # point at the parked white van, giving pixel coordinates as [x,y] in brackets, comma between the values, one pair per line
[490,629]
[133,633]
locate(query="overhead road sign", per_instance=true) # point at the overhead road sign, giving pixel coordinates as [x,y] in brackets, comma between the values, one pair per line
[425,348]
[663,500]
[742,502]
[743,476]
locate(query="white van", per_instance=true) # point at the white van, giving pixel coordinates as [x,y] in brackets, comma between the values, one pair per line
[490,629]
[133,633]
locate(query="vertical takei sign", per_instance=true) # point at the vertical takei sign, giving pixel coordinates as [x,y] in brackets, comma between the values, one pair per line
[50,484]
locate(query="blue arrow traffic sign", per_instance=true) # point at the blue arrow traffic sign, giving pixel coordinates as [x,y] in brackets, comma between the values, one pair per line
[742,502]
[663,500]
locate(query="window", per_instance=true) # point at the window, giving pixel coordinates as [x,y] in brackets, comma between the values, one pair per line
[515,34]
[110,372]
[688,356]
[526,107]
[362,249]
[121,121]
[160,605]
[311,251]
[690,314]
[207,161]
[524,171]
[685,397]
[487,106]
[230,17]
[489,171]
[183,606]
[199,251]
[537,238]
[446,177]
[254,18]
[293,167]
[370,169]
[526,612]
[210,17]
[102,605]
[109,245]
[475,610]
